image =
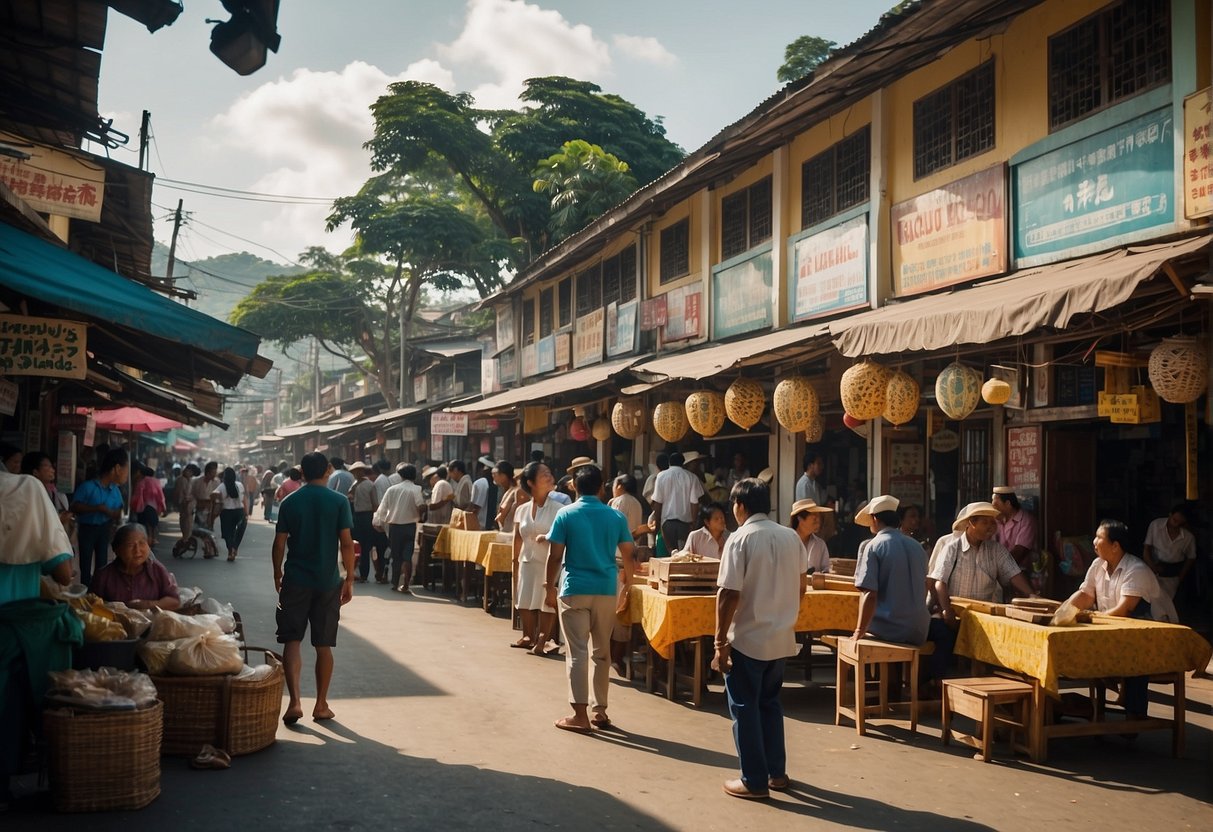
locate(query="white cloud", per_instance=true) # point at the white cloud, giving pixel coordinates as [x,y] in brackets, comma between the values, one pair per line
[646,49]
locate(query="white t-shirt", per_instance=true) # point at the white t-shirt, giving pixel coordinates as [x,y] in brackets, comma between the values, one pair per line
[440,497]
[480,497]
[532,520]
[819,554]
[463,491]
[1130,577]
[382,484]
[230,502]
[1166,550]
[401,505]
[678,491]
[764,562]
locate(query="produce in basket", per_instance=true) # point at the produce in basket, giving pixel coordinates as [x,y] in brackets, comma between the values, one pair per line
[155,654]
[167,626]
[102,688]
[206,655]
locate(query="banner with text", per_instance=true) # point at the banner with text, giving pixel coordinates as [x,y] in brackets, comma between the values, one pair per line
[588,338]
[1198,162]
[683,313]
[448,424]
[829,270]
[54,182]
[741,296]
[621,328]
[43,347]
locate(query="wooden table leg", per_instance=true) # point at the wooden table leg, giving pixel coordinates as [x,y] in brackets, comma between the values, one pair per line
[987,728]
[840,684]
[1037,743]
[671,673]
[697,677]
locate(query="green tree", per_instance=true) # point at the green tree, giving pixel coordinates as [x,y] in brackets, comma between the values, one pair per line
[583,181]
[802,56]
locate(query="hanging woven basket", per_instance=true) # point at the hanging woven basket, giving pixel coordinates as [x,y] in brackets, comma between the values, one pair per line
[795,403]
[705,412]
[628,418]
[744,402]
[1179,369]
[901,398]
[670,421]
[601,430]
[958,390]
[863,390]
[996,391]
[815,431]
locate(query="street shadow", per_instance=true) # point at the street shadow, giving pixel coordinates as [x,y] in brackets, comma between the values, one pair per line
[664,748]
[864,813]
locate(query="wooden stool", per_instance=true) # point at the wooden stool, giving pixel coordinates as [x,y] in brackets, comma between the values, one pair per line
[860,655]
[979,699]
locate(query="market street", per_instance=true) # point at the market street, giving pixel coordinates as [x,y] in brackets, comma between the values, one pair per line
[440,725]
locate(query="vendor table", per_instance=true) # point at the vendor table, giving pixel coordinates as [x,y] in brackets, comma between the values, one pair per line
[1107,648]
[473,548]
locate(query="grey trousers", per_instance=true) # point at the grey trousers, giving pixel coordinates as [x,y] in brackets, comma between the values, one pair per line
[587,621]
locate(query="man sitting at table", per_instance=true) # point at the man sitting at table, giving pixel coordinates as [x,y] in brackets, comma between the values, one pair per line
[891,575]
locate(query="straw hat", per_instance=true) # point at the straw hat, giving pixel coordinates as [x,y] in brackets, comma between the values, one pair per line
[972,510]
[691,456]
[1003,490]
[809,506]
[766,475]
[358,466]
[486,461]
[580,462]
[884,502]
[428,472]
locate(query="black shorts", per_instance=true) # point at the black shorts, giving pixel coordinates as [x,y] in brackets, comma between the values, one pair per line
[300,606]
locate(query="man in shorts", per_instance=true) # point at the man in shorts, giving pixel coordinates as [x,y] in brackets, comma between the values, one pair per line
[313,526]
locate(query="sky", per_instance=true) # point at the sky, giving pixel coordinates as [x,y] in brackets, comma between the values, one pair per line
[296,127]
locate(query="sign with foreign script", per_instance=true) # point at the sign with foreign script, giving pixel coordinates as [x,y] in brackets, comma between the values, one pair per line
[588,338]
[1119,181]
[907,473]
[652,313]
[53,181]
[448,424]
[8,397]
[564,349]
[43,347]
[621,328]
[741,296]
[1024,460]
[683,313]
[1198,161]
[829,270]
[951,234]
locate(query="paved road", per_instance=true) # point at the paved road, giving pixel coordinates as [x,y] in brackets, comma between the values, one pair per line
[440,725]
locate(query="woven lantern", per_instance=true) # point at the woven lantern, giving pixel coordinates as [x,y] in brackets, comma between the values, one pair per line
[628,418]
[996,391]
[744,402]
[901,398]
[815,430]
[601,429]
[795,403]
[1178,369]
[957,390]
[579,431]
[670,421]
[705,412]
[863,390]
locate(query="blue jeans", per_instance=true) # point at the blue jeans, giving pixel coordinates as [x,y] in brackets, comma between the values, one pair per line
[753,687]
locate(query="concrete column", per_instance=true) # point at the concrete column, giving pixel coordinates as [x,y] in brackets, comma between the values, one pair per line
[783,456]
[779,235]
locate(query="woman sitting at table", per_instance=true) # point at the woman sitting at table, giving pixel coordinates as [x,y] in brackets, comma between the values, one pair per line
[532,522]
[806,522]
[136,578]
[1121,584]
[708,540]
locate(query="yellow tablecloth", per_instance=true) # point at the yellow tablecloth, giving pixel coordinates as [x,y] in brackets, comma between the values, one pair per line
[1108,647]
[460,545]
[497,557]
[667,619]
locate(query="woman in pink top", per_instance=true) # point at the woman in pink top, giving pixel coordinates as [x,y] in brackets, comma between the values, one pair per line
[147,500]
[292,483]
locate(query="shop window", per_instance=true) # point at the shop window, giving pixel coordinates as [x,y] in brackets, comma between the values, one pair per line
[610,281]
[675,251]
[528,320]
[1116,53]
[589,290]
[974,462]
[745,219]
[564,302]
[627,275]
[836,179]
[545,312]
[955,122]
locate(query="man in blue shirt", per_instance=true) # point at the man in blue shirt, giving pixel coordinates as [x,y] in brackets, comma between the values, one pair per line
[892,578]
[584,539]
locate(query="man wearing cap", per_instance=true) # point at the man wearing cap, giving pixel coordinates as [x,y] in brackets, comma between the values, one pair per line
[891,575]
[1016,528]
[805,520]
[676,495]
[762,579]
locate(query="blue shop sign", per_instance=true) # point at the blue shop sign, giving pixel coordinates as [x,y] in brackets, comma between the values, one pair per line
[1106,185]
[547,354]
[741,296]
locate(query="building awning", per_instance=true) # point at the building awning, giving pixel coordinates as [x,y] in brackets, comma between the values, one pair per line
[448,349]
[545,388]
[291,431]
[708,361]
[1028,300]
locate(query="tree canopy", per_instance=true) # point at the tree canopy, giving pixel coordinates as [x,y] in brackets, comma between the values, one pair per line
[802,56]
[583,181]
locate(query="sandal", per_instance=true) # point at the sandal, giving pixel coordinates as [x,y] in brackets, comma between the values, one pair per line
[522,643]
[566,723]
[212,758]
[604,724]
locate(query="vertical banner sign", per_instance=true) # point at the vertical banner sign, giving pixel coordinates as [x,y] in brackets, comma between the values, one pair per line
[505,326]
[1190,440]
[546,354]
[53,181]
[682,313]
[589,338]
[65,462]
[530,361]
[907,473]
[507,367]
[1024,460]
[43,347]
[951,234]
[448,424]
[1115,182]
[33,429]
[621,336]
[741,297]
[419,391]
[829,270]
[652,314]
[564,349]
[1198,162]
[8,397]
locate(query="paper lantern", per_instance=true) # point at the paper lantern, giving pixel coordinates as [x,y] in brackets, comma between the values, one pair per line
[1179,369]
[601,430]
[859,426]
[795,403]
[705,412]
[670,421]
[957,390]
[863,390]
[579,431]
[744,402]
[815,430]
[996,391]
[628,418]
[901,398]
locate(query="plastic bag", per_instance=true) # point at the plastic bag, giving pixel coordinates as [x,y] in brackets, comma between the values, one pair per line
[135,622]
[103,688]
[225,614]
[169,626]
[99,628]
[188,595]
[206,655]
[155,655]
[254,674]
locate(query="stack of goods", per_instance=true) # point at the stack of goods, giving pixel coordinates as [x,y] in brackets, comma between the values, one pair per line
[684,574]
[111,629]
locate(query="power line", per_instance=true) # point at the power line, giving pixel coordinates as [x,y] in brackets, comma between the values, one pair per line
[324,199]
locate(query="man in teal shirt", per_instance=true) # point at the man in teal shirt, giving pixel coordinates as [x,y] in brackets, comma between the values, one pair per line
[313,526]
[584,539]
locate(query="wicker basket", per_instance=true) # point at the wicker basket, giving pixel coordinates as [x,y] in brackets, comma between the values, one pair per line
[863,389]
[239,717]
[1179,369]
[103,760]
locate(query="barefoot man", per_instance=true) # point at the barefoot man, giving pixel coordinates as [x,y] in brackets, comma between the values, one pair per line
[312,527]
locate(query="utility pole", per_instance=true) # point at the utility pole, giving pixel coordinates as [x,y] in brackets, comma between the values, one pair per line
[172,247]
[144,134]
[315,379]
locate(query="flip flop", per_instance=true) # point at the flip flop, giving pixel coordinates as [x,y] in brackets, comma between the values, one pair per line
[526,646]
[212,758]
[564,724]
[602,724]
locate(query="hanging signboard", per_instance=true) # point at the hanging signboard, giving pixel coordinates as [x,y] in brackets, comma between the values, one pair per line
[1198,162]
[951,234]
[907,473]
[652,313]
[54,182]
[42,347]
[683,313]
[530,361]
[505,326]
[564,349]
[448,424]
[621,328]
[507,367]
[1024,460]
[829,270]
[8,398]
[546,357]
[1113,183]
[588,338]
[741,296]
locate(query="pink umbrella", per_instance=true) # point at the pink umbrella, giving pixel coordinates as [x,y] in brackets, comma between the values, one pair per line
[133,420]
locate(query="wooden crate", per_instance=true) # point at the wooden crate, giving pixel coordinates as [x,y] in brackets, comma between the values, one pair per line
[843,566]
[685,578]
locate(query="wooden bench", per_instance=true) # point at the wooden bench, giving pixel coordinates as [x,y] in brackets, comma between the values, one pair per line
[992,702]
[859,655]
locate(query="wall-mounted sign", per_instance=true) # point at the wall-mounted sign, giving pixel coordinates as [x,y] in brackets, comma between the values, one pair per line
[652,314]
[530,361]
[65,462]
[907,473]
[621,328]
[488,375]
[409,434]
[741,296]
[505,326]
[1198,162]
[564,349]
[683,313]
[1024,460]
[1115,182]
[546,354]
[448,424]
[589,336]
[483,424]
[42,347]
[507,367]
[8,397]
[419,388]
[54,182]
[951,234]
[945,441]
[829,270]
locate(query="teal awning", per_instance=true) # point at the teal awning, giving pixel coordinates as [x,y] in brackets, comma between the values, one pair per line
[55,275]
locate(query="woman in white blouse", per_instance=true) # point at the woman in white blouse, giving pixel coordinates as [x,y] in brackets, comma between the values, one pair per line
[806,522]
[532,522]
[233,518]
[708,540]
